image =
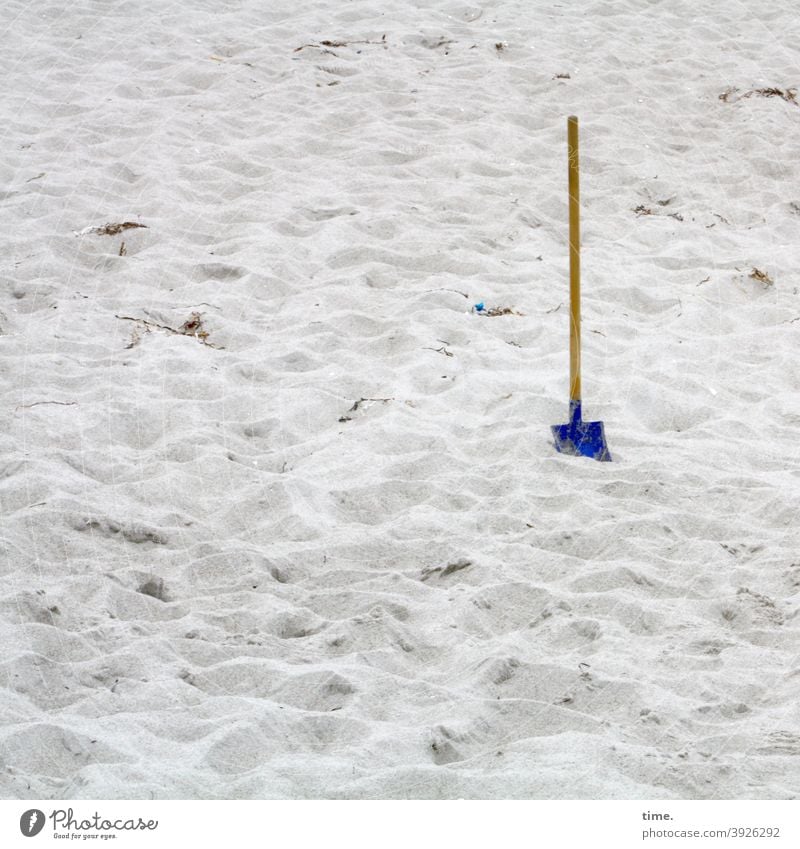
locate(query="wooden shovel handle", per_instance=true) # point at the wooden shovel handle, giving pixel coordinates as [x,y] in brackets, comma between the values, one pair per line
[574,261]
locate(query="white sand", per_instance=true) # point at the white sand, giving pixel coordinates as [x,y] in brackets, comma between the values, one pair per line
[213,587]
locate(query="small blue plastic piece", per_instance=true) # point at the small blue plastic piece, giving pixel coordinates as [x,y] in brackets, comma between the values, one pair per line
[581,438]
[480,307]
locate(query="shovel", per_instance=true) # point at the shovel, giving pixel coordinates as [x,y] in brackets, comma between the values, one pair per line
[577,437]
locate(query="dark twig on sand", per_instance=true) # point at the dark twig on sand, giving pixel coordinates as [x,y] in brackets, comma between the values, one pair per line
[38,403]
[329,43]
[362,400]
[358,403]
[443,289]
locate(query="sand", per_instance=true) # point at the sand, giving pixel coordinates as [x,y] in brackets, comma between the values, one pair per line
[282,516]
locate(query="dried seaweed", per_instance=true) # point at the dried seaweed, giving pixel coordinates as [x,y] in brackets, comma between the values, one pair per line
[193,326]
[641,209]
[789,94]
[480,309]
[495,311]
[330,43]
[110,229]
[762,277]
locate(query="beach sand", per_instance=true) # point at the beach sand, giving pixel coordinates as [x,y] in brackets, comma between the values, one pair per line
[282,516]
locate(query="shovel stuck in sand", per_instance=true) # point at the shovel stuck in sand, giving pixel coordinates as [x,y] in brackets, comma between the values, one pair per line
[576,437]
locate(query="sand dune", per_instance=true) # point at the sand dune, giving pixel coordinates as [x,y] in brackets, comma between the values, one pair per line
[282,516]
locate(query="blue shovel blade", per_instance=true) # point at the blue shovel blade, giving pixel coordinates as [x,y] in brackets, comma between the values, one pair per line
[581,438]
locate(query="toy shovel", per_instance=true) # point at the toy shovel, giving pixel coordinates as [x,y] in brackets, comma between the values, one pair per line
[577,436]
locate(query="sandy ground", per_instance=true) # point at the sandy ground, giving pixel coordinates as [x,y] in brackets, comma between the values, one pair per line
[281,513]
